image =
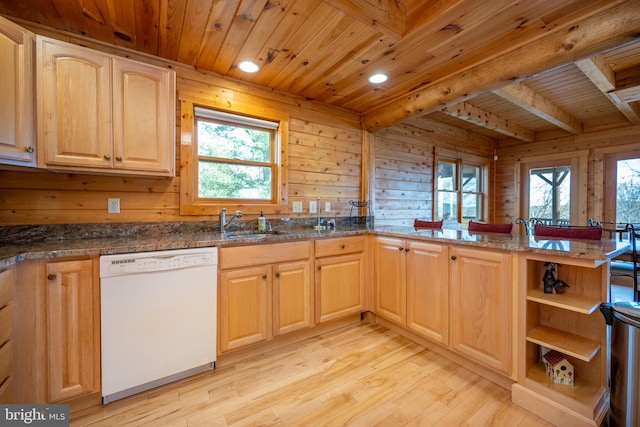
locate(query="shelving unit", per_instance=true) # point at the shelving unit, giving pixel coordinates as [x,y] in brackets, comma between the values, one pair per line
[571,324]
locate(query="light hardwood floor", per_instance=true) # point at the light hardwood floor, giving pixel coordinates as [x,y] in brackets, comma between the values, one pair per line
[360,375]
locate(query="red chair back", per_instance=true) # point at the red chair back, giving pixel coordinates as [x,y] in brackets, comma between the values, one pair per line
[418,223]
[585,233]
[483,227]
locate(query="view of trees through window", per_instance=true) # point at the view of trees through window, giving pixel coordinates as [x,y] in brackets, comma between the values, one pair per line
[550,194]
[451,194]
[234,161]
[628,191]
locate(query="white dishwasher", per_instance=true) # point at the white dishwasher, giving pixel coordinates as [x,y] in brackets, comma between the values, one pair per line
[158,318]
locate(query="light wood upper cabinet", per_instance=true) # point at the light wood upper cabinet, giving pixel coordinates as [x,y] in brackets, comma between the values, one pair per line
[17,111]
[482,307]
[144,117]
[74,106]
[103,113]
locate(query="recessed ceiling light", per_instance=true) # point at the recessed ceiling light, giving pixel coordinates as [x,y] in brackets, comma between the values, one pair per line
[378,78]
[248,67]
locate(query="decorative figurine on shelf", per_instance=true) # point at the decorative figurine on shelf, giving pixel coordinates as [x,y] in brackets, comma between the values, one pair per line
[551,284]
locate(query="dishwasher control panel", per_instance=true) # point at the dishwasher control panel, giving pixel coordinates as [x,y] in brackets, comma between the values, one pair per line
[145,262]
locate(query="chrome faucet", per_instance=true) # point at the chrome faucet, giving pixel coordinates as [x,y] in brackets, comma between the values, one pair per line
[223,219]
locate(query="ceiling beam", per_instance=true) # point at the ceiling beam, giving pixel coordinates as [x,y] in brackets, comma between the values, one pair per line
[603,76]
[485,119]
[531,101]
[615,27]
[388,16]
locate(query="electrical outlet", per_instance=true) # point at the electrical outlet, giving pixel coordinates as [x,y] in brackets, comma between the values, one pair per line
[313,206]
[113,205]
[297,207]
[327,207]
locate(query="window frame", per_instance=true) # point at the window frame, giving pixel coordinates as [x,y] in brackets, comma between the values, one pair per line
[461,160]
[190,202]
[577,161]
[610,163]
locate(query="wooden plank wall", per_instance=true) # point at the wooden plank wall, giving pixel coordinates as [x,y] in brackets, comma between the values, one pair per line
[597,143]
[325,157]
[403,167]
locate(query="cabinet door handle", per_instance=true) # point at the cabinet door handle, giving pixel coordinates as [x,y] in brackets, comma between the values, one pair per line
[118,158]
[319,268]
[278,274]
[51,276]
[401,249]
[29,149]
[264,276]
[343,246]
[453,257]
[107,157]
[406,249]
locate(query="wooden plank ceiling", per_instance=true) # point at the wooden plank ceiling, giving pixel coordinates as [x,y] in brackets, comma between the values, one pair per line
[503,68]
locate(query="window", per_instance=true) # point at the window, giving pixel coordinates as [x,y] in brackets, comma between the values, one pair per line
[553,188]
[460,190]
[550,194]
[235,157]
[628,191]
[232,159]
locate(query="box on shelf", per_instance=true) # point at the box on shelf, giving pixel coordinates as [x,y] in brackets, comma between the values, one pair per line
[558,367]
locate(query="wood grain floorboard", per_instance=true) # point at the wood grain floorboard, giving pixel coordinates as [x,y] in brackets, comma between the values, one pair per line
[360,375]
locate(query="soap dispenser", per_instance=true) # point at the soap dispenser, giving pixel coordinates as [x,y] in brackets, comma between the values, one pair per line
[262,222]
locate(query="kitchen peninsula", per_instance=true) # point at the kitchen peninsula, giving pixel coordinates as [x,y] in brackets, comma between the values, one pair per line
[505,321]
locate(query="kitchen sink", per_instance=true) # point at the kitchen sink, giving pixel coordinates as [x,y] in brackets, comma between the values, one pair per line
[253,234]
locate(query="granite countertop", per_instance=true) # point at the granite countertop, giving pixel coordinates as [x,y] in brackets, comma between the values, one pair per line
[40,242]
[62,241]
[600,250]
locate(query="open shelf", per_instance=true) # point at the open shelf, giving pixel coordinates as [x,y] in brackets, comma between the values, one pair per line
[586,395]
[566,301]
[564,342]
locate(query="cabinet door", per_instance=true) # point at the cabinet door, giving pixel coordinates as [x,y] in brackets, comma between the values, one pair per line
[244,308]
[390,294]
[291,297]
[339,286]
[73,363]
[7,282]
[481,306]
[428,290]
[17,142]
[143,117]
[74,105]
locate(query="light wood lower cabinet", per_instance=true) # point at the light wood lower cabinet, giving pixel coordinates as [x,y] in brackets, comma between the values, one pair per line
[481,317]
[7,280]
[339,277]
[411,286]
[269,298]
[58,345]
[244,307]
[457,297]
[71,329]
